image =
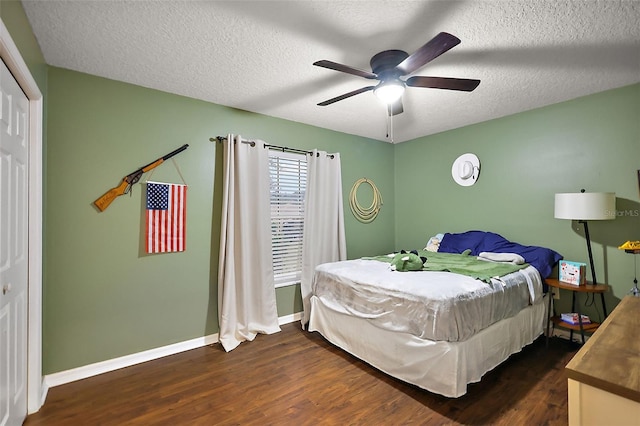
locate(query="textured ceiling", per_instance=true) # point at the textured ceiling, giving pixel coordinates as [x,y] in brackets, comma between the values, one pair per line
[258,55]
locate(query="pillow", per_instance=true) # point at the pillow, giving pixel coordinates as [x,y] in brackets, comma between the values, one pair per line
[514,258]
[434,243]
[541,258]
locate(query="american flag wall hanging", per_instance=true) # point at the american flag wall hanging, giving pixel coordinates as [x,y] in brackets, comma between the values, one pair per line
[166,215]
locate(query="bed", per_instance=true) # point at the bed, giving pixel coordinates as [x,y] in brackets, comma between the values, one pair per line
[477,300]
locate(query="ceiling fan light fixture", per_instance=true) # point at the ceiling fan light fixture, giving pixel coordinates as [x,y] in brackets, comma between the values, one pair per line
[389,91]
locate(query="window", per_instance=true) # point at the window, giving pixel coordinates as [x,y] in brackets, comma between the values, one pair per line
[288,173]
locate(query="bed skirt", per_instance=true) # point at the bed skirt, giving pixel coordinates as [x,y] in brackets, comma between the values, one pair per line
[445,368]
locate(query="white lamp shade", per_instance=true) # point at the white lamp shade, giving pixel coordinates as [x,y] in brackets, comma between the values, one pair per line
[585,206]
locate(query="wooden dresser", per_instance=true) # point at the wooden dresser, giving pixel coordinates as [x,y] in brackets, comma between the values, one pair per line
[604,376]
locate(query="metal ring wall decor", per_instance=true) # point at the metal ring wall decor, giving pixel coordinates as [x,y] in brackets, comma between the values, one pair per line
[365,215]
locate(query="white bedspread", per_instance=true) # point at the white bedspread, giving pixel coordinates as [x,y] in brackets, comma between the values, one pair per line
[427,304]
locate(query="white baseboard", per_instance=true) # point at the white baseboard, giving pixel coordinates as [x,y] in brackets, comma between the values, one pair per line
[86,371]
[290,318]
[91,370]
[42,397]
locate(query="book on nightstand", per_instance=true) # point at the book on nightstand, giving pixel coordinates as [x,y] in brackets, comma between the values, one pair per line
[572,272]
[572,318]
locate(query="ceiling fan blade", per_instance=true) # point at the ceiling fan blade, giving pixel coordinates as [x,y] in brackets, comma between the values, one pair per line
[434,48]
[395,108]
[345,68]
[462,84]
[346,95]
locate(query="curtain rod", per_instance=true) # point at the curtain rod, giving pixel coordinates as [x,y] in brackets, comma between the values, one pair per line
[274,147]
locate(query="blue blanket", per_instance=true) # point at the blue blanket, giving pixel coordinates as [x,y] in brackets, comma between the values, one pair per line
[543,259]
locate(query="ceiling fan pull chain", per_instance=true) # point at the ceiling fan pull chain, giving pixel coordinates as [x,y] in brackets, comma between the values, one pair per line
[389,123]
[388,127]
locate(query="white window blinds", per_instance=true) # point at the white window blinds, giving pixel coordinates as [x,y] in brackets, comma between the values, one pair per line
[288,173]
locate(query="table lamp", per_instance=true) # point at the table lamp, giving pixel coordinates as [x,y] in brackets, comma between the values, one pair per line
[584,206]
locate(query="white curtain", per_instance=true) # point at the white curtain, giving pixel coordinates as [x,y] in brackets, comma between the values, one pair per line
[246,292]
[323,238]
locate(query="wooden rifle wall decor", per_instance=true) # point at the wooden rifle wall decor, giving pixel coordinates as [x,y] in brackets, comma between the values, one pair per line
[131,179]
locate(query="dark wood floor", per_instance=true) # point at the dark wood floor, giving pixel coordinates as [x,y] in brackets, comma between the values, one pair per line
[296,377]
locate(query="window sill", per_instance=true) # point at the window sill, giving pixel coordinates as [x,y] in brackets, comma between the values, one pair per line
[287,284]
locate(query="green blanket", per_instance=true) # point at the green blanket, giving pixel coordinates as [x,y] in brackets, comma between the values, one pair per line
[463,264]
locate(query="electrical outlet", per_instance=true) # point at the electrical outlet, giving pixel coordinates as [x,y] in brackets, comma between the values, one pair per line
[556,294]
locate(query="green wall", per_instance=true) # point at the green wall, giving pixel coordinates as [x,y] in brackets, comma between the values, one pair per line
[592,142]
[103,296]
[17,24]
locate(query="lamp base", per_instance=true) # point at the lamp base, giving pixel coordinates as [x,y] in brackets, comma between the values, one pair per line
[634,290]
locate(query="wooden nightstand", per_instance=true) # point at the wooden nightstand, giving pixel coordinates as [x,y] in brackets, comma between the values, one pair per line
[575,306]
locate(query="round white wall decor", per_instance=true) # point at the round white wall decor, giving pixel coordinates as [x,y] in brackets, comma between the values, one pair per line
[466,169]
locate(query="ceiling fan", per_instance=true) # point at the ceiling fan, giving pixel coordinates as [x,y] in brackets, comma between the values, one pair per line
[390,66]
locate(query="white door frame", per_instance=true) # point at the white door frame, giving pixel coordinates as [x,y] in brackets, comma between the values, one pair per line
[36,390]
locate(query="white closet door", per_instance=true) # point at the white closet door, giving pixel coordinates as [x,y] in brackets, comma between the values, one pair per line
[14,160]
